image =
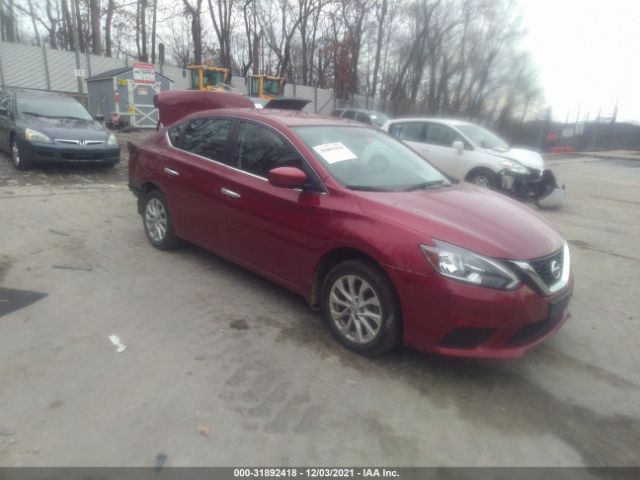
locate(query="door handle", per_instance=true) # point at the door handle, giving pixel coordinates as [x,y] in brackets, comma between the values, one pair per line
[171,172]
[229,193]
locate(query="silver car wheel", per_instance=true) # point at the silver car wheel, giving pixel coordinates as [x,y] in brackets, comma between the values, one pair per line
[155,219]
[481,181]
[355,308]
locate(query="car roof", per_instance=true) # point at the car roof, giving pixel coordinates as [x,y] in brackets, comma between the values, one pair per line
[452,122]
[287,118]
[363,110]
[41,94]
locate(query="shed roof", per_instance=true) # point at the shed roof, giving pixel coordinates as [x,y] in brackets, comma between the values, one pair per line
[114,72]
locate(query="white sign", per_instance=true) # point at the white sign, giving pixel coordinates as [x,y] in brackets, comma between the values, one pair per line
[144,72]
[567,132]
[335,152]
[78,73]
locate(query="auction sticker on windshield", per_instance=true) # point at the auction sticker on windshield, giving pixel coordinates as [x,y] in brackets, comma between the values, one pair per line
[335,152]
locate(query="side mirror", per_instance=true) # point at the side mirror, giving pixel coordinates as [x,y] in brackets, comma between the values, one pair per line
[287,177]
[459,146]
[98,117]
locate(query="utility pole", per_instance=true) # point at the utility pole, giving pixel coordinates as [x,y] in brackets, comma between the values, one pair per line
[76,41]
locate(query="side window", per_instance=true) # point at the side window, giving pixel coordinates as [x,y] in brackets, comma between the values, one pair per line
[349,114]
[259,149]
[412,132]
[441,135]
[5,104]
[175,135]
[394,130]
[363,117]
[207,137]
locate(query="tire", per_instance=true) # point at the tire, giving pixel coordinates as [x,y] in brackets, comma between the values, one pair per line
[483,177]
[156,220]
[18,160]
[360,305]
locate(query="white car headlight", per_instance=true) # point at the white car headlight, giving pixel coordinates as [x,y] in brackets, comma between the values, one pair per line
[112,140]
[514,166]
[36,136]
[469,267]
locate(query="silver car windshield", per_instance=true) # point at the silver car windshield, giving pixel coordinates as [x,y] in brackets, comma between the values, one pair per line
[482,137]
[368,159]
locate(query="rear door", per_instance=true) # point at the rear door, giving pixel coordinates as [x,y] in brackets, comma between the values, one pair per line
[413,134]
[191,179]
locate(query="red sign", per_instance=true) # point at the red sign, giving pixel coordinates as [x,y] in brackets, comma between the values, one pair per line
[144,72]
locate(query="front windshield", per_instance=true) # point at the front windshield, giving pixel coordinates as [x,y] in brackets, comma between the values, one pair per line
[368,159]
[43,107]
[378,119]
[482,137]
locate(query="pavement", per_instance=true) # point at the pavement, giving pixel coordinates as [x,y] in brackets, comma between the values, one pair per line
[603,155]
[223,367]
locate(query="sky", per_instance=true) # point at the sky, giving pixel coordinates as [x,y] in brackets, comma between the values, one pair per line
[588,55]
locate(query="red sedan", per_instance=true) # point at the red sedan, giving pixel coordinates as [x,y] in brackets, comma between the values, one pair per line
[358,224]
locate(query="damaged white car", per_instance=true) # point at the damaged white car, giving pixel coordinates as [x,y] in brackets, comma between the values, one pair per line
[466,151]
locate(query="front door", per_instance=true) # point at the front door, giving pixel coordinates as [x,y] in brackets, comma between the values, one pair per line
[273,228]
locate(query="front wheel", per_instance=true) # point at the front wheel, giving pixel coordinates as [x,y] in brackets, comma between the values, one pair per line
[361,307]
[483,178]
[18,159]
[157,221]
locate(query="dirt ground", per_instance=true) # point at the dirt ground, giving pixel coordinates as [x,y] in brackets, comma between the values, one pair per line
[222,367]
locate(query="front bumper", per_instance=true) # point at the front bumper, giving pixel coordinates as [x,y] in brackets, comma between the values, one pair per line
[57,153]
[452,318]
[533,185]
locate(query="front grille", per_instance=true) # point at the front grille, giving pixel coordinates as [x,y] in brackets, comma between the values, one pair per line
[469,337]
[82,155]
[542,267]
[536,329]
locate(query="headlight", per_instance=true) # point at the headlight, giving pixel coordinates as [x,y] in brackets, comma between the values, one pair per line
[36,136]
[514,166]
[112,140]
[466,266]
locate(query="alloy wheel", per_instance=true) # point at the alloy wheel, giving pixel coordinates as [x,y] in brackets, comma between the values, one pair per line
[355,308]
[155,219]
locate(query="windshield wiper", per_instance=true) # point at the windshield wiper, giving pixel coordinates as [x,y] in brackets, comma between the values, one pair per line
[35,114]
[366,188]
[71,117]
[423,185]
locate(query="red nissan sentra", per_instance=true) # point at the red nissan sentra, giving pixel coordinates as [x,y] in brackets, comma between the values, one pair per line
[357,223]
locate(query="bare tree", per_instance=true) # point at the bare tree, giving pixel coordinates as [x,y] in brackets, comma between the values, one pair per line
[221,16]
[193,10]
[94,15]
[111,8]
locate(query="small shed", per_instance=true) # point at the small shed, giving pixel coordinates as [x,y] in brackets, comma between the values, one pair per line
[124,96]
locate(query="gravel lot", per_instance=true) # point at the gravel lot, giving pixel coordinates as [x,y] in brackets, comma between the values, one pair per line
[222,367]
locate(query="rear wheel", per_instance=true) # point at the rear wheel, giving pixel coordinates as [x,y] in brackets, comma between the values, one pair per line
[483,178]
[18,159]
[157,221]
[360,305]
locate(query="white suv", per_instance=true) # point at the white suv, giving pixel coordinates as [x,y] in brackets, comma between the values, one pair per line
[466,151]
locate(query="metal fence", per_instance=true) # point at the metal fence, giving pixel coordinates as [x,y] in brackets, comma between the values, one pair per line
[42,68]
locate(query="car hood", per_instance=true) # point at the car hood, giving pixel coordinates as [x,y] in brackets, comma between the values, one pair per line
[471,217]
[528,158]
[67,128]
